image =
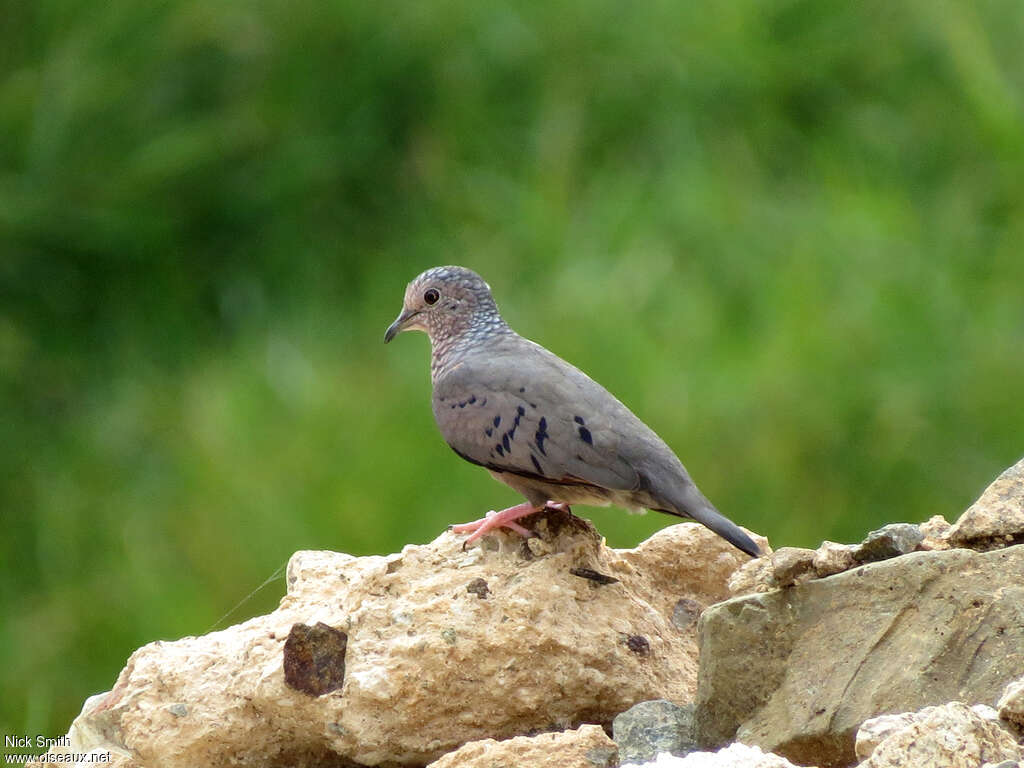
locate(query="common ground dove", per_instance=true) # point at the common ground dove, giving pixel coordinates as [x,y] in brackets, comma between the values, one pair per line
[534,421]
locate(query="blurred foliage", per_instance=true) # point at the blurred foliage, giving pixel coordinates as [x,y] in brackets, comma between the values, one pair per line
[788,234]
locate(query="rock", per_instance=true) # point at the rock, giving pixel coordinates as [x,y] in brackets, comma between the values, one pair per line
[1011,703]
[889,541]
[996,519]
[585,747]
[733,756]
[755,575]
[791,565]
[948,736]
[797,671]
[650,727]
[781,568]
[936,533]
[875,730]
[832,558]
[787,566]
[398,660]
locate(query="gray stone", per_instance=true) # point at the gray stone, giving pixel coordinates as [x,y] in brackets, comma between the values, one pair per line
[797,671]
[650,727]
[996,519]
[889,541]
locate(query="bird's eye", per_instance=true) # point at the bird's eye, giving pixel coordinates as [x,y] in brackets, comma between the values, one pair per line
[431,296]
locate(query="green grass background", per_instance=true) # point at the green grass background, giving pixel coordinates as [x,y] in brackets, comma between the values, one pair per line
[788,234]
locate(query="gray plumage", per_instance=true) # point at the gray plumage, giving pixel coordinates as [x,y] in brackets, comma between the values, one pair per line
[537,423]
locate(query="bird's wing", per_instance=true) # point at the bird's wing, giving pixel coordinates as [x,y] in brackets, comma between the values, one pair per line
[528,412]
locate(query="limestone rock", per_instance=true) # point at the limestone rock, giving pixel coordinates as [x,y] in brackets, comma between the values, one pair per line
[891,540]
[791,565]
[787,566]
[1011,703]
[832,558]
[782,568]
[733,756]
[875,730]
[650,727]
[755,575]
[585,747]
[996,519]
[936,533]
[949,736]
[796,671]
[398,660]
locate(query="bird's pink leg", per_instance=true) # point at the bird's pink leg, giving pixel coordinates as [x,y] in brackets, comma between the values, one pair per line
[505,518]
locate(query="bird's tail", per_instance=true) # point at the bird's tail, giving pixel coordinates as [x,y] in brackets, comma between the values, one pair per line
[693,504]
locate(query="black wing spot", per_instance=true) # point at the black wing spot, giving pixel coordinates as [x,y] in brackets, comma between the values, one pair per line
[504,440]
[522,389]
[579,420]
[499,449]
[497,420]
[536,464]
[542,435]
[585,436]
[488,431]
[521,411]
[472,399]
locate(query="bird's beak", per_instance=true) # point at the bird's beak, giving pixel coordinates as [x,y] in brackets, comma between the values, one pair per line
[403,320]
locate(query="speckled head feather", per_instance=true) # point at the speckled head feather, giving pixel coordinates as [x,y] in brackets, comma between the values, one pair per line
[454,306]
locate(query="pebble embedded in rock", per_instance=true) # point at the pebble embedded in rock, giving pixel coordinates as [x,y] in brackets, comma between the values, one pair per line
[314,658]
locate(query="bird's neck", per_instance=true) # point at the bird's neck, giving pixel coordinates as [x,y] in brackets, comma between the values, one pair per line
[447,350]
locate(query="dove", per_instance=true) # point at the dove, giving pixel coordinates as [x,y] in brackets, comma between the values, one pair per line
[535,422]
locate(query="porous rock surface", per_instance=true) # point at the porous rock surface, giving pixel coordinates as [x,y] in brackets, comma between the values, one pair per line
[397,660]
[585,747]
[953,735]
[797,670]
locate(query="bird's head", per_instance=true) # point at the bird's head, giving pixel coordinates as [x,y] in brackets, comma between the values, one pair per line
[445,302]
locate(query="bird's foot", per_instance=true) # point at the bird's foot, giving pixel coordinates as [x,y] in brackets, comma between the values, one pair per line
[505,518]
